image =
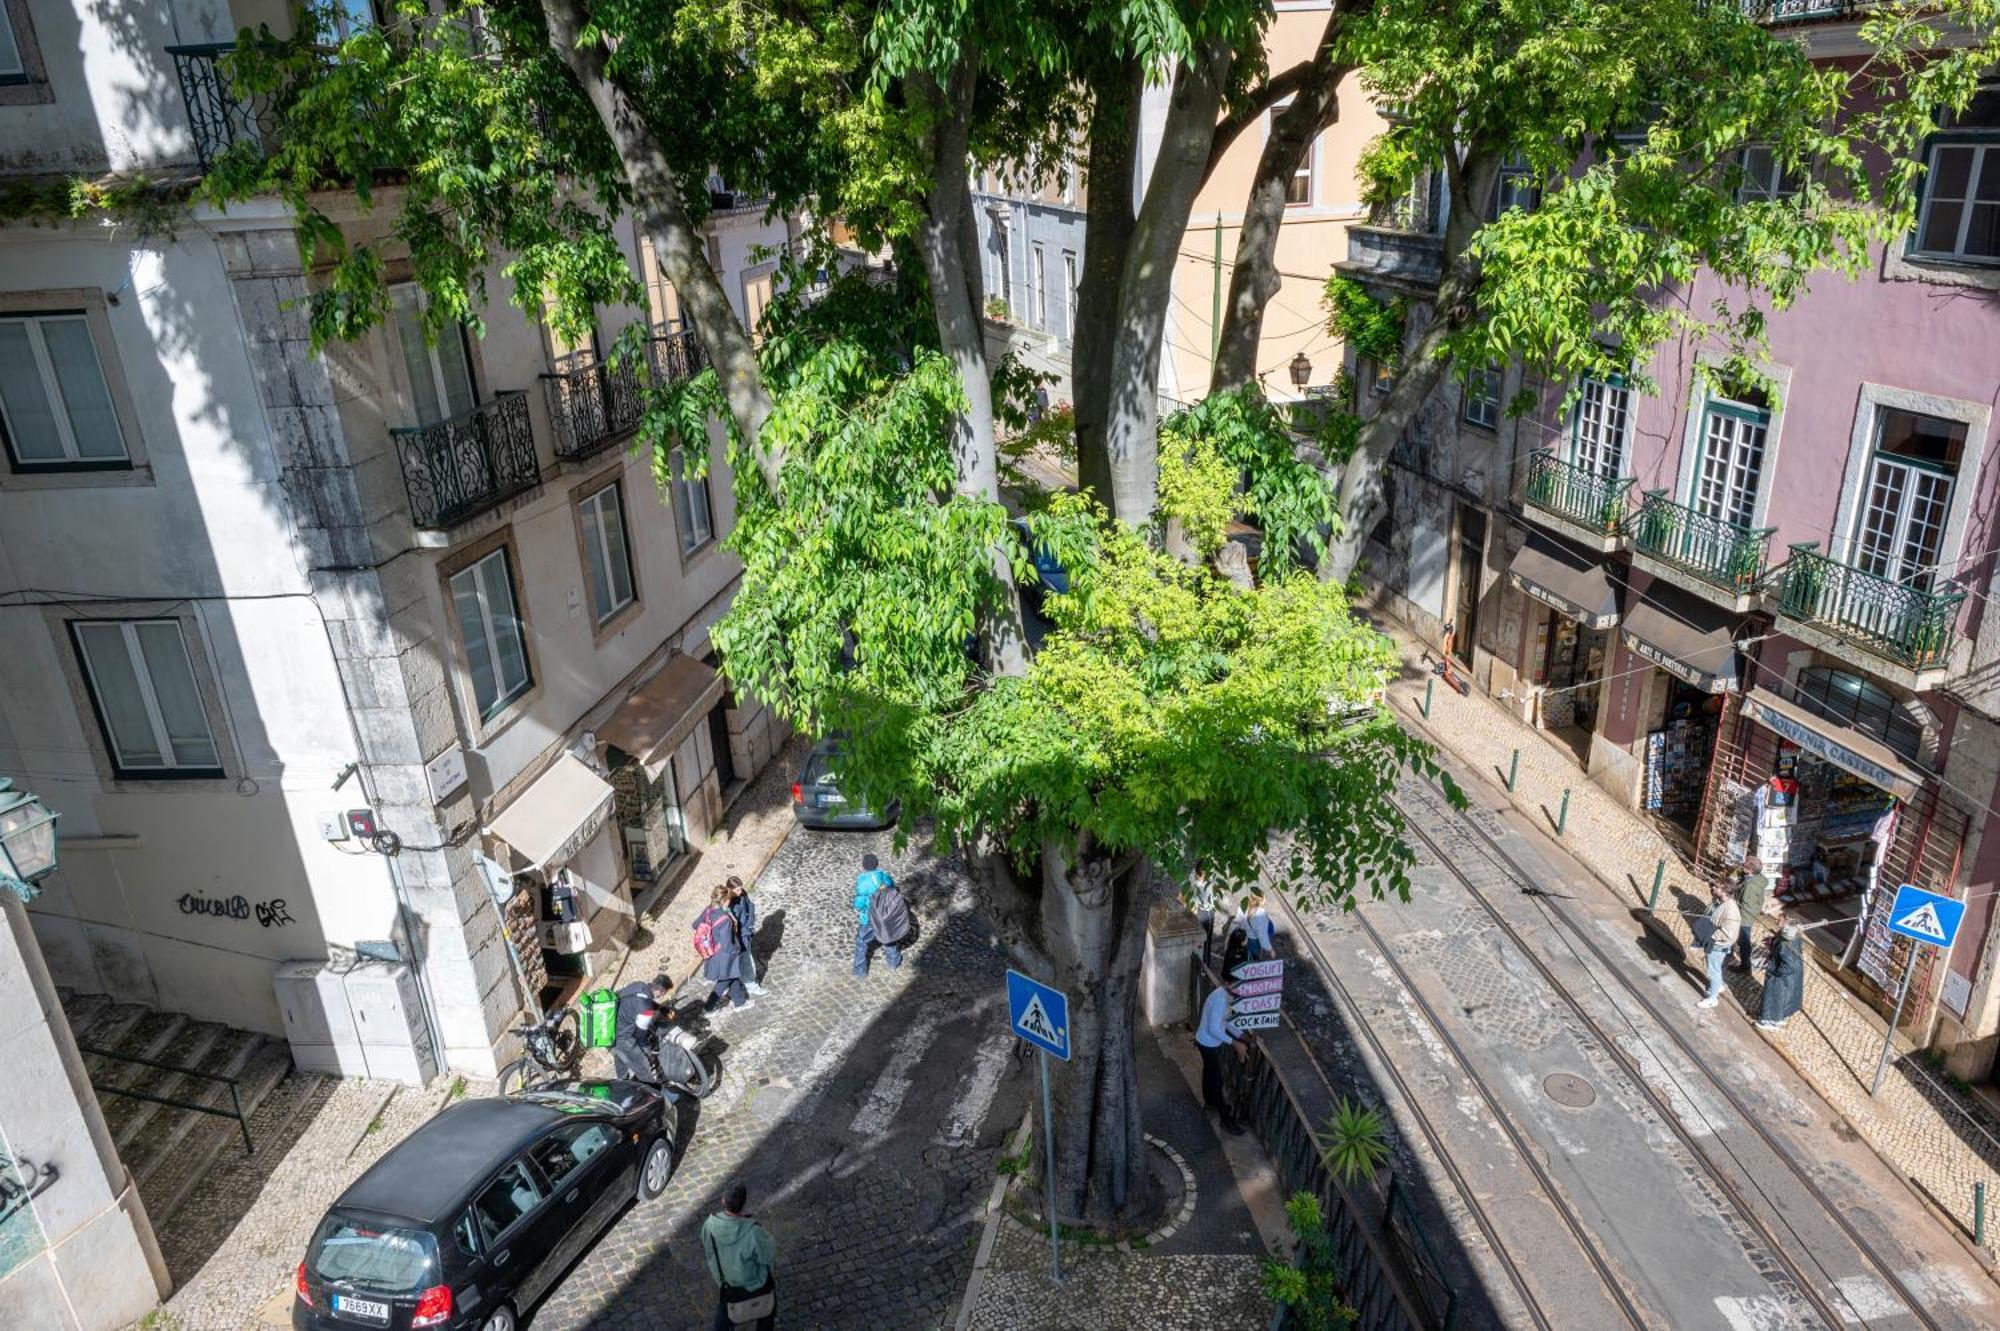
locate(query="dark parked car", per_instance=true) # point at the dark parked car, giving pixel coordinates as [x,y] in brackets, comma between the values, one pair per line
[818,801]
[1050,576]
[473,1217]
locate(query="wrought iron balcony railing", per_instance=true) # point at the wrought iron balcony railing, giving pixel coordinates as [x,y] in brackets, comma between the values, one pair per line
[219,117]
[1910,625]
[1716,551]
[1804,11]
[597,403]
[465,465]
[1577,493]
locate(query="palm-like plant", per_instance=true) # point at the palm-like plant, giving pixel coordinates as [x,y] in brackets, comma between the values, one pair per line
[1355,1142]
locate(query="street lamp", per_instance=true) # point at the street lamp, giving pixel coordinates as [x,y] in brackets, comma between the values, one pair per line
[27,841]
[1302,370]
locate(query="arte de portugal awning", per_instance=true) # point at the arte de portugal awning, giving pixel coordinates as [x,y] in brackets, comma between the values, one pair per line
[660,712]
[556,816]
[1685,636]
[1866,757]
[1566,579]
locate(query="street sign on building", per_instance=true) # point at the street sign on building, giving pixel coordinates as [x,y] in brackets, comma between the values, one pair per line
[1928,917]
[1038,1013]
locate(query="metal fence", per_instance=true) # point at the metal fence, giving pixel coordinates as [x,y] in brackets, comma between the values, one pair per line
[218,116]
[458,467]
[234,1111]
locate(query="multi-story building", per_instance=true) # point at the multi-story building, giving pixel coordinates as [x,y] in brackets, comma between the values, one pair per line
[1759,613]
[386,659]
[1031,259]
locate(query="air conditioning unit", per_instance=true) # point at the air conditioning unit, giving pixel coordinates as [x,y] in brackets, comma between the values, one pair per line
[356,1017]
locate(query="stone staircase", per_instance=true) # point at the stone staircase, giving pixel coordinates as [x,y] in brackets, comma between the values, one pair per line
[167,1147]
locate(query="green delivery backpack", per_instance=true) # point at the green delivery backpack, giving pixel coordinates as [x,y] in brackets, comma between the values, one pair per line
[599,1011]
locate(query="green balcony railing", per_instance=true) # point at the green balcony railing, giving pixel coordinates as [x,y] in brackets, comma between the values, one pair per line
[1909,625]
[1577,493]
[1714,550]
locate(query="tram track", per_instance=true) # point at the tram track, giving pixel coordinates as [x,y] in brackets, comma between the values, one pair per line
[1431,825]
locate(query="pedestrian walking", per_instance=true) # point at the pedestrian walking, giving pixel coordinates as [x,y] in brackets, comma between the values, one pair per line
[1725,921]
[743,909]
[1258,929]
[742,1261]
[722,953]
[869,884]
[1784,975]
[1753,894]
[1214,1039]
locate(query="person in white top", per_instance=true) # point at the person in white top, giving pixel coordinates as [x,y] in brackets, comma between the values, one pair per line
[1262,934]
[1212,1036]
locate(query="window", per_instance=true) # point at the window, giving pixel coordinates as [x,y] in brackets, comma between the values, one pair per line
[1041,271]
[691,513]
[12,68]
[1908,496]
[506,1200]
[1514,187]
[1731,460]
[663,303]
[1603,419]
[568,1149]
[1299,189]
[1960,217]
[1377,375]
[142,684]
[1482,396]
[1764,177]
[440,371]
[1840,695]
[1069,295]
[55,405]
[351,16]
[607,562]
[496,650]
[1069,182]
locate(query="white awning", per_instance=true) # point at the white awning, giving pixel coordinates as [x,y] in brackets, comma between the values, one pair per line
[553,818]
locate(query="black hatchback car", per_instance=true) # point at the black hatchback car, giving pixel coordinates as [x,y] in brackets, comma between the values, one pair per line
[472,1218]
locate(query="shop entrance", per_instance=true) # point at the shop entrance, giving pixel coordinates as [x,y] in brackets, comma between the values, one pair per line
[1465,610]
[1574,659]
[1677,753]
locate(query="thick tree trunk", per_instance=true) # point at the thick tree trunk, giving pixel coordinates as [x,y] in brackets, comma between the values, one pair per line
[1146,285]
[656,192]
[1254,280]
[1113,156]
[954,279]
[1363,492]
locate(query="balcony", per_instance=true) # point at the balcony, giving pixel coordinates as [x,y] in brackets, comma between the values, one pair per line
[461,467]
[1837,606]
[1804,11]
[1576,501]
[1384,253]
[219,119]
[597,403]
[1716,559]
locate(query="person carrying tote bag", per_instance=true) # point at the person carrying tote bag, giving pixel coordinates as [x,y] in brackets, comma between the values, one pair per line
[740,1257]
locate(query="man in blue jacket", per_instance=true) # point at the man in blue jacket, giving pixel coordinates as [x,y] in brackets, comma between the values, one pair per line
[872,879]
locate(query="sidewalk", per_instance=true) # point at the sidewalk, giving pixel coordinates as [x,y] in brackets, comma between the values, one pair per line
[1938,1138]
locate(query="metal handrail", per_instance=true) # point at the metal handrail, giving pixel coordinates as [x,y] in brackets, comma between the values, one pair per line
[1713,549]
[455,468]
[235,1097]
[1908,624]
[1577,493]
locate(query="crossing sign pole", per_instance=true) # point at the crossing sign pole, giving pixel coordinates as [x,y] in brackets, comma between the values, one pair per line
[1922,917]
[1039,1014]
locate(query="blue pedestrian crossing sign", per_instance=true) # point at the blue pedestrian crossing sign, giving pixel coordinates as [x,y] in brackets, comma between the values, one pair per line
[1927,917]
[1038,1014]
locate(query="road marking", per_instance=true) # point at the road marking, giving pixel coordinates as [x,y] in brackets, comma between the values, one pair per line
[989,1067]
[1762,1312]
[1865,1299]
[885,1097]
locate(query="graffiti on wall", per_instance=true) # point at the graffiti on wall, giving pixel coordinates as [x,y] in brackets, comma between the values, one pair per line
[21,1181]
[272,914]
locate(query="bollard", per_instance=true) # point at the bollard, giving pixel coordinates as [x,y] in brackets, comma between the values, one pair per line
[1659,877]
[1429,684]
[1513,770]
[1979,1214]
[1562,817]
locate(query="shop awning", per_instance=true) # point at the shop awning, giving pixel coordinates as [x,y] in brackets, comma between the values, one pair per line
[1685,635]
[661,711]
[1573,583]
[1863,755]
[553,818]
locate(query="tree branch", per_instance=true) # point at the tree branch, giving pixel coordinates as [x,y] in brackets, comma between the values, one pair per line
[1275,89]
[1014,912]
[683,256]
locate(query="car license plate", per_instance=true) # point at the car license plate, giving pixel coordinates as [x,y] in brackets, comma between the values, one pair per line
[831,797]
[368,1310]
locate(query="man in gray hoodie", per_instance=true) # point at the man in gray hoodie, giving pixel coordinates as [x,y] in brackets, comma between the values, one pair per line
[740,1257]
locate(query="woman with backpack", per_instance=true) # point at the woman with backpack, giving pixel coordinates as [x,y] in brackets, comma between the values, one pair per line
[722,954]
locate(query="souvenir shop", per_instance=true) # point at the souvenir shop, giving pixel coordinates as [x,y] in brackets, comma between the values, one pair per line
[1569,637]
[1694,645]
[1837,820]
